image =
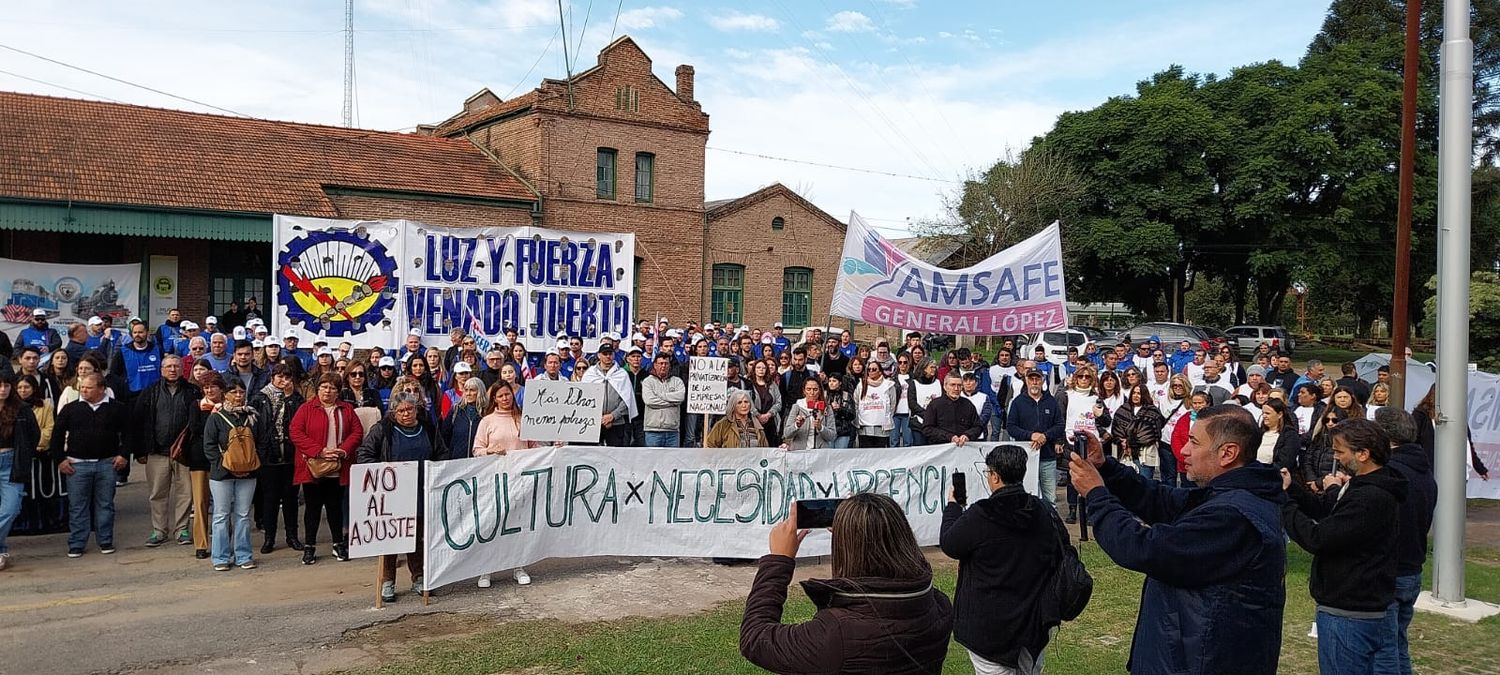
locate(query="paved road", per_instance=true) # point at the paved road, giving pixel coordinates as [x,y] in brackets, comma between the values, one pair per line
[162,610]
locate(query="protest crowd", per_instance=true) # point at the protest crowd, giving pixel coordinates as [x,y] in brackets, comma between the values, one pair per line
[1192,467]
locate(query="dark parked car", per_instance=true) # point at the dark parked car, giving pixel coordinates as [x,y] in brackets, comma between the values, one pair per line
[1169,333]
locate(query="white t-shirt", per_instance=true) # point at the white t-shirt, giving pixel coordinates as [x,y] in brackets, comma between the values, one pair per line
[1194,373]
[1304,415]
[1370,411]
[1159,390]
[1255,411]
[1080,412]
[1267,450]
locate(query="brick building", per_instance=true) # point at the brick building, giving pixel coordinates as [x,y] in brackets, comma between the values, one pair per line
[89,182]
[613,150]
[772,256]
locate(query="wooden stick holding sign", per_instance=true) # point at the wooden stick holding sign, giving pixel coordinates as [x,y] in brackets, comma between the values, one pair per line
[382,514]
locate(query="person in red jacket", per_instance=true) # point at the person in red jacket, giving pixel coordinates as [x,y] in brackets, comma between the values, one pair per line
[1197,402]
[325,428]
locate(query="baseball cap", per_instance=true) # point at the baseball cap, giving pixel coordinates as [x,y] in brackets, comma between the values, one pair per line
[415,332]
[320,342]
[260,329]
[324,351]
[1033,373]
[257,344]
[637,337]
[674,333]
[188,325]
[268,339]
[778,325]
[462,367]
[766,339]
[94,321]
[39,312]
[634,350]
[387,362]
[562,343]
[211,321]
[239,332]
[293,337]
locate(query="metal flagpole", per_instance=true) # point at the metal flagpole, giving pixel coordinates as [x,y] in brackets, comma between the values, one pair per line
[1455,163]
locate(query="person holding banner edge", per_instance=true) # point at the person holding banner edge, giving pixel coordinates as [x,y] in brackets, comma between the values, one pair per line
[403,435]
[499,433]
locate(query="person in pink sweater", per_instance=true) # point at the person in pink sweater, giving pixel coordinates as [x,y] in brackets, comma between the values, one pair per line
[500,432]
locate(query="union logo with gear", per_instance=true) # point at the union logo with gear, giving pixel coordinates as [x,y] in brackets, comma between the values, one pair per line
[336,282]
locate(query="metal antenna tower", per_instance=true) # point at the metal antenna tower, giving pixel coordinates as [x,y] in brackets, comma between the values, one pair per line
[349,63]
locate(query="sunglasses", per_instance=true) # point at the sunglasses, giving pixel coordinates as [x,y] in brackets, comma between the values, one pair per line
[357,373]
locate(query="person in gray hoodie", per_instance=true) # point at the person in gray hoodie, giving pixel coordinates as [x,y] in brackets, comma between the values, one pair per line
[663,394]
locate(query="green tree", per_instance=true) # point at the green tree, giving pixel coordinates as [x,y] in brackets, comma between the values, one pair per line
[1484,314]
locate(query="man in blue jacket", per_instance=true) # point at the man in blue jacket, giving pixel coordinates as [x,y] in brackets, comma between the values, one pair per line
[1034,416]
[38,334]
[1214,556]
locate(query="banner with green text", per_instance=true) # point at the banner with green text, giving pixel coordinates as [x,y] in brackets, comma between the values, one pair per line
[490,514]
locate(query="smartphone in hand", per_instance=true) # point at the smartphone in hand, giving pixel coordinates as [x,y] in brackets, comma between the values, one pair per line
[816,513]
[960,488]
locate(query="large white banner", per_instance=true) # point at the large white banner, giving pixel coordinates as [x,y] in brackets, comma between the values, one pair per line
[1018,290]
[69,294]
[1484,424]
[370,282]
[489,514]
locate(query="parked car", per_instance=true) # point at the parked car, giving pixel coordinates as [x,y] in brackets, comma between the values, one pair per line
[1094,334]
[1278,338]
[1169,333]
[1056,343]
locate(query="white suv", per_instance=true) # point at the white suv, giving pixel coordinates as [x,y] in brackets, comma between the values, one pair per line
[1056,344]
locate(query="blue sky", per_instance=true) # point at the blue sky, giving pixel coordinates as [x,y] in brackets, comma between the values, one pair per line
[932,90]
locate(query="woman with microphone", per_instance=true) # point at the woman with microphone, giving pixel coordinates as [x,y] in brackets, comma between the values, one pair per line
[805,425]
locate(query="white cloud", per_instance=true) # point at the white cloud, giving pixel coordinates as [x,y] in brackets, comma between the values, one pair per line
[850,22]
[735,21]
[902,4]
[825,46]
[648,17]
[944,34]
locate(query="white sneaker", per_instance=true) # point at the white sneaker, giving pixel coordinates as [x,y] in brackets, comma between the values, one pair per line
[522,577]
[4,560]
[484,581]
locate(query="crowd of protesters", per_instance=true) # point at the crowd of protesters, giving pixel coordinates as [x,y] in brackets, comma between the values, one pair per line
[1196,468]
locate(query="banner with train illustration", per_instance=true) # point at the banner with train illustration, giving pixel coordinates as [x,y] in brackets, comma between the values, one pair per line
[371,282]
[67,294]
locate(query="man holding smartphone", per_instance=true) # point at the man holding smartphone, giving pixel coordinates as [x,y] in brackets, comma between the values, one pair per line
[1214,556]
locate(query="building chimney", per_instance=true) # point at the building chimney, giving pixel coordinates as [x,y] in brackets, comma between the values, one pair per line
[685,82]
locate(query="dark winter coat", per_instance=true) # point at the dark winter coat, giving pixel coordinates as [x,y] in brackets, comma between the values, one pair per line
[948,417]
[1414,519]
[273,426]
[861,626]
[1214,559]
[458,430]
[216,442]
[160,415]
[376,445]
[24,438]
[1028,415]
[1138,429]
[1006,546]
[1352,539]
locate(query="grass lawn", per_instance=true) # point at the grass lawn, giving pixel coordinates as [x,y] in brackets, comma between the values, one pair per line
[1098,642]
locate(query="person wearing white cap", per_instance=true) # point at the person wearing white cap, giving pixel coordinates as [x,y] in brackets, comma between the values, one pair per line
[101,337]
[413,344]
[38,334]
[780,341]
[289,348]
[462,371]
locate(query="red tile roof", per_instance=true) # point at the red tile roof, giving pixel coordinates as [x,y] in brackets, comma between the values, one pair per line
[61,149]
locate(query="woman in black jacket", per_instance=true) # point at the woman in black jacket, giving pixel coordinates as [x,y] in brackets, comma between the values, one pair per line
[18,446]
[405,434]
[1279,442]
[1006,545]
[275,405]
[358,390]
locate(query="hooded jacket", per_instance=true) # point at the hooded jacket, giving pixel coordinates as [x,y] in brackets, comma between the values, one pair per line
[862,625]
[1352,536]
[1214,559]
[1005,545]
[1414,519]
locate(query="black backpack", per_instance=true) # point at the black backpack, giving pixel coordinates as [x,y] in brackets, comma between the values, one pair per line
[1068,589]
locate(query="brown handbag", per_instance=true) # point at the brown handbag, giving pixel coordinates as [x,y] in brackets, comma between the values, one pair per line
[178,451]
[322,468]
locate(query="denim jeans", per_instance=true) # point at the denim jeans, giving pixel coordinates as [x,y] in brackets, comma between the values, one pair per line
[1354,646]
[997,430]
[232,496]
[1407,590]
[1148,472]
[841,442]
[692,431]
[1047,481]
[91,504]
[901,433]
[10,497]
[1167,464]
[662,439]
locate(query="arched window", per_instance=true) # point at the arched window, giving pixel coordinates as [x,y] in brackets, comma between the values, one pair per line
[778,223]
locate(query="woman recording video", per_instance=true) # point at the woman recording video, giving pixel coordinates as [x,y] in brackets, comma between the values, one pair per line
[880,612]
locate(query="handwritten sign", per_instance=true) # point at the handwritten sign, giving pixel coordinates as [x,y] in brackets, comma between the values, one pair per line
[707,387]
[382,509]
[562,411]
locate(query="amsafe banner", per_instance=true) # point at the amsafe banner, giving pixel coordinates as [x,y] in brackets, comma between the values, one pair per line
[1018,290]
[489,514]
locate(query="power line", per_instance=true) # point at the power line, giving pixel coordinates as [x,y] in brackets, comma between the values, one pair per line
[584,31]
[616,23]
[876,172]
[534,64]
[54,84]
[305,31]
[124,82]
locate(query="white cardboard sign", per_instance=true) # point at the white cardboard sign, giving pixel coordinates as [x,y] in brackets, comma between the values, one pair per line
[382,509]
